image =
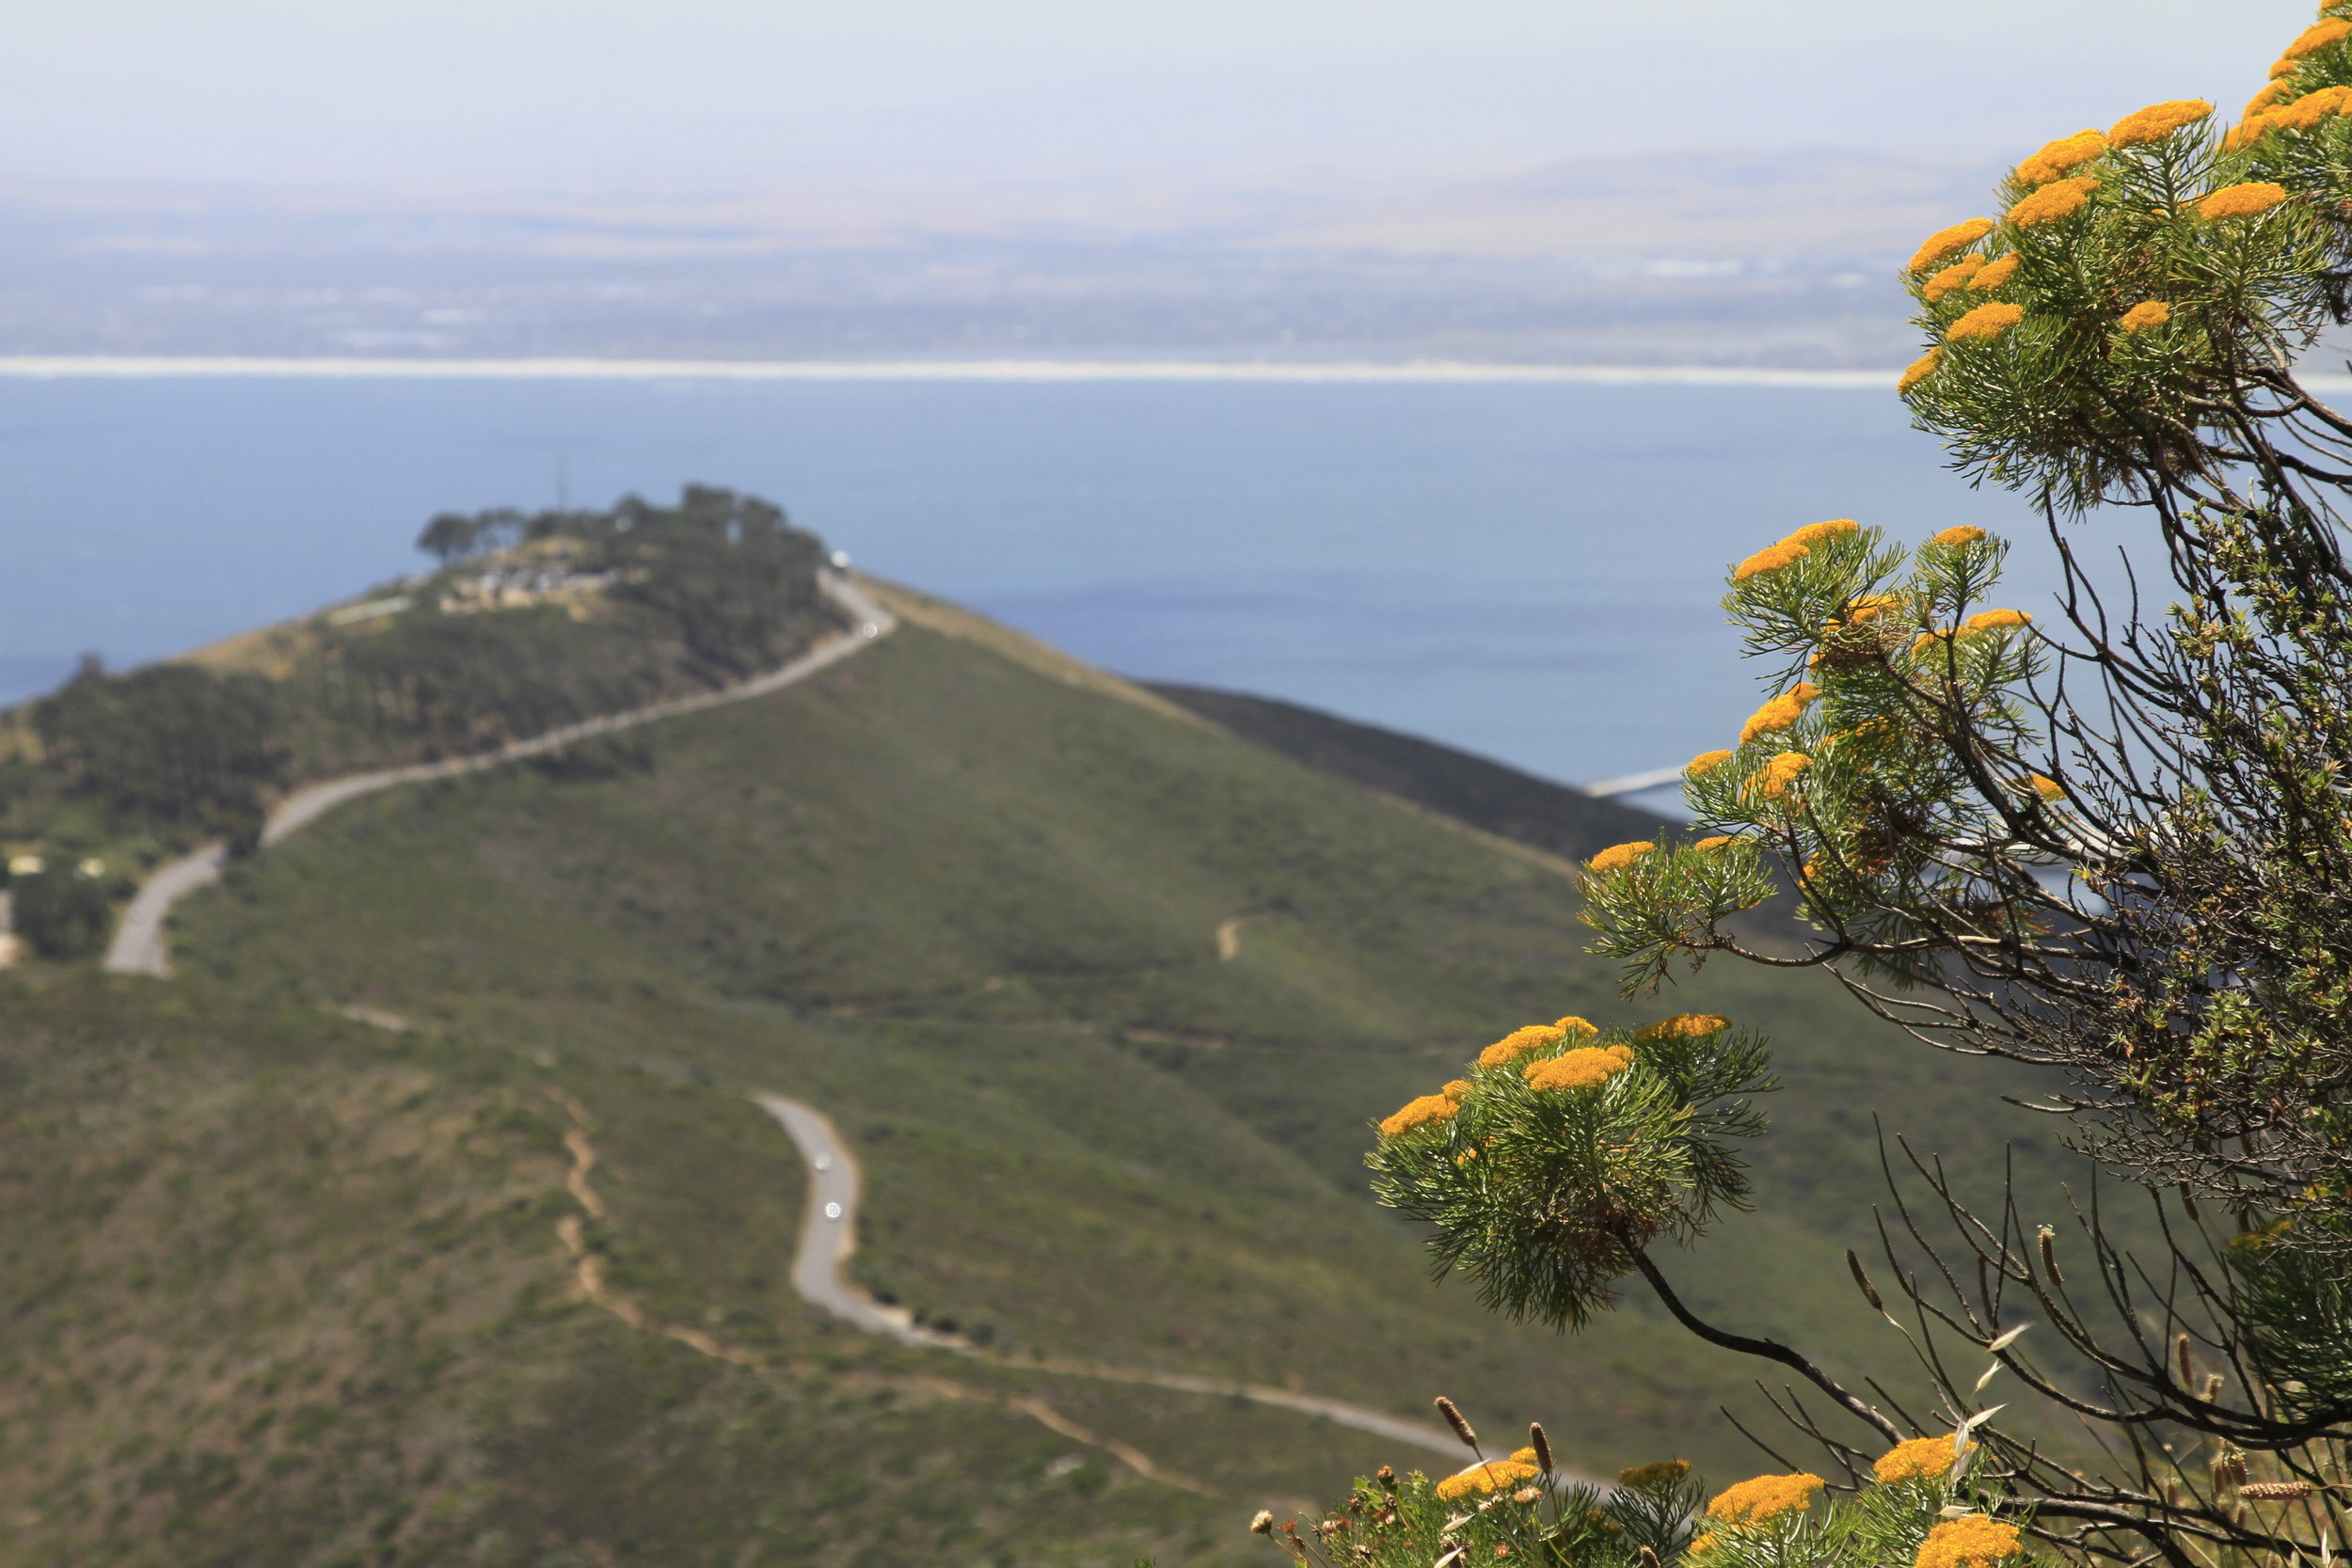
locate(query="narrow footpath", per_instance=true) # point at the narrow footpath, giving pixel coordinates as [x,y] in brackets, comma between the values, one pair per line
[829,1236]
[141,944]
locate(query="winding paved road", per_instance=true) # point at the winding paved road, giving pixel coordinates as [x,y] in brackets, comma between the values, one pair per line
[141,945]
[830,1236]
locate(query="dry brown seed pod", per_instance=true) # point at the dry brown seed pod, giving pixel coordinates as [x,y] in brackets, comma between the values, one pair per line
[1527,1494]
[2276,1491]
[1870,1292]
[1542,1446]
[1262,1524]
[1454,1419]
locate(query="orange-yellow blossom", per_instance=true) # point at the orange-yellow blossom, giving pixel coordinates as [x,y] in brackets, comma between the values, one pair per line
[1424,1111]
[1994,275]
[1985,320]
[1587,1067]
[1919,369]
[1995,620]
[1920,1457]
[1573,1027]
[2055,158]
[1763,1498]
[1780,713]
[2061,199]
[1772,558]
[1959,236]
[1684,1026]
[1780,773]
[2242,202]
[1493,1476]
[1950,277]
[1518,1042]
[2157,121]
[1971,1541]
[2147,314]
[2316,36]
[1963,535]
[1706,762]
[1814,534]
[1713,842]
[1618,855]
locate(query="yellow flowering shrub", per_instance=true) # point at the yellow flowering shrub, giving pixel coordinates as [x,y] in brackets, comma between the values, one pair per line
[1518,1042]
[2242,200]
[1495,1475]
[1573,1027]
[1920,1459]
[2055,158]
[1706,763]
[1455,1088]
[1587,1067]
[1763,1498]
[1424,1111]
[2306,112]
[2157,121]
[2316,36]
[2148,313]
[1780,713]
[1618,855]
[1984,322]
[1772,558]
[1997,620]
[1963,535]
[1944,242]
[1919,369]
[1657,1473]
[1994,274]
[1950,277]
[1684,1026]
[2061,199]
[1972,1541]
[1713,842]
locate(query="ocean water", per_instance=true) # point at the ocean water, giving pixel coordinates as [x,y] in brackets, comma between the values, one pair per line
[1526,571]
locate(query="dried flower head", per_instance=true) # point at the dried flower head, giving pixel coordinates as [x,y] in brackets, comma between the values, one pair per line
[2157,121]
[1706,762]
[1425,1111]
[2276,1491]
[1994,274]
[1262,1524]
[1919,369]
[2055,158]
[1763,1498]
[1971,1541]
[1985,320]
[1587,1067]
[2242,202]
[1919,1459]
[2061,199]
[1618,855]
[1518,1042]
[2147,315]
[1944,242]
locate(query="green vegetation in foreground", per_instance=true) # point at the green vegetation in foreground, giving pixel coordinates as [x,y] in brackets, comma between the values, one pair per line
[965,897]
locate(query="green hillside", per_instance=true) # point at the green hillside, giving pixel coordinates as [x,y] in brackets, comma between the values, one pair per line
[287,1287]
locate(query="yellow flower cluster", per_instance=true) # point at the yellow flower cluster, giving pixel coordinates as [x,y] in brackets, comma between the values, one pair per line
[1995,620]
[1963,535]
[2306,112]
[1709,845]
[1655,1474]
[2242,202]
[1780,773]
[1455,1088]
[1618,855]
[2275,88]
[1918,1458]
[1928,640]
[1971,1541]
[1950,277]
[2147,314]
[1985,320]
[1994,274]
[1780,713]
[2066,153]
[1815,533]
[1707,762]
[2157,121]
[1919,369]
[2316,36]
[1425,1111]
[1493,1476]
[1684,1026]
[1870,607]
[1587,1067]
[1770,559]
[2061,199]
[1944,242]
[1518,1042]
[1763,1498]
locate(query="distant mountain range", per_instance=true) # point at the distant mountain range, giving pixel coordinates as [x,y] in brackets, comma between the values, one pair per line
[1707,257]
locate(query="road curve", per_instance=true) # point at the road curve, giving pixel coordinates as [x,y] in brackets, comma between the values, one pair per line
[141,945]
[829,1236]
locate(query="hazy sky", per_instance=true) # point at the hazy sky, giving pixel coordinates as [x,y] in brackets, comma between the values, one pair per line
[718,94]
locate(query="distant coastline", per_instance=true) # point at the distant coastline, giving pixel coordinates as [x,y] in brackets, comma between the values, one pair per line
[129,367]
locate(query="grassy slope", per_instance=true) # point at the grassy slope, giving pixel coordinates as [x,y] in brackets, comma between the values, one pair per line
[969,907]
